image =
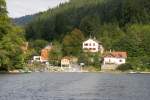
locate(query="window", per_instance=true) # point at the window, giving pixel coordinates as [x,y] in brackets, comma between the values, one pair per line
[94,48]
[93,44]
[109,60]
[37,59]
[86,44]
[120,60]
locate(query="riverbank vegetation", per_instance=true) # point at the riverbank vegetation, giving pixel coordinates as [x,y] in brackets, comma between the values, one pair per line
[12,56]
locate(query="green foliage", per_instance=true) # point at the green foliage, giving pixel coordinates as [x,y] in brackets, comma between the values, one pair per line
[136,41]
[90,25]
[89,59]
[141,63]
[84,58]
[11,52]
[109,34]
[38,45]
[87,15]
[11,40]
[22,21]
[55,54]
[125,67]
[4,20]
[57,47]
[72,43]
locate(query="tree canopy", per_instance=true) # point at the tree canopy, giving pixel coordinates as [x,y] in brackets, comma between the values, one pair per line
[11,40]
[87,15]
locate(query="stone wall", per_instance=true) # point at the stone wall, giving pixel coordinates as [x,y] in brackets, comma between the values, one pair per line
[110,67]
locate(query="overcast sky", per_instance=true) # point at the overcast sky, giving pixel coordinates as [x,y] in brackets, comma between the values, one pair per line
[18,8]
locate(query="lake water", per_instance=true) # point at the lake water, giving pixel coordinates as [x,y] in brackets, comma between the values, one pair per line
[74,86]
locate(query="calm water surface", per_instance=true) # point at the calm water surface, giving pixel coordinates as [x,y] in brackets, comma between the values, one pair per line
[75,86]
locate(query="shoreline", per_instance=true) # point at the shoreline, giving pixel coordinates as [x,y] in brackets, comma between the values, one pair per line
[111,72]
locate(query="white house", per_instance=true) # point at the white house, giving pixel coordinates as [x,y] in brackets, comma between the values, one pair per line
[37,58]
[113,60]
[92,45]
[117,58]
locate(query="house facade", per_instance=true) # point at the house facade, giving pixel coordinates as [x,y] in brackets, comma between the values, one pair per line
[113,59]
[37,58]
[45,53]
[66,62]
[43,58]
[92,45]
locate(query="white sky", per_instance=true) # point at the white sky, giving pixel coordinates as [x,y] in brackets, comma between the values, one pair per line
[18,8]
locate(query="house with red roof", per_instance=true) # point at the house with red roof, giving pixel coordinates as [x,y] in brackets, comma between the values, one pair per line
[113,59]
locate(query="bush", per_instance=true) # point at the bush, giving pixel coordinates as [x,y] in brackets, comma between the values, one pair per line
[125,67]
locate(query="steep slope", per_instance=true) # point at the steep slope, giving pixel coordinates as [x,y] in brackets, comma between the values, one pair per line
[76,13]
[22,21]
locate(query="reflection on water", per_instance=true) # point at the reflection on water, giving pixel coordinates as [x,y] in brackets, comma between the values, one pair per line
[75,86]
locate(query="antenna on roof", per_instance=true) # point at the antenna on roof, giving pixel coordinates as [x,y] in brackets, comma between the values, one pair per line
[51,44]
[110,51]
[90,36]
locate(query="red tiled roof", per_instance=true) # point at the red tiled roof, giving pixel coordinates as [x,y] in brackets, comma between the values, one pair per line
[45,53]
[118,54]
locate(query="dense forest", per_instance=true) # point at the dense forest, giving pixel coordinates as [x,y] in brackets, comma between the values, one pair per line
[122,25]
[22,21]
[89,16]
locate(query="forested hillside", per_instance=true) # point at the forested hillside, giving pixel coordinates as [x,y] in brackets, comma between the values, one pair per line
[119,24]
[22,21]
[88,15]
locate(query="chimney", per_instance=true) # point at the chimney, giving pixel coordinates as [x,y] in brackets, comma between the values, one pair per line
[51,44]
[110,51]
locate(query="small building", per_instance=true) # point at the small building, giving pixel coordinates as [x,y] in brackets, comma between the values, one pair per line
[92,45]
[45,53]
[37,58]
[113,59]
[66,62]
[43,58]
